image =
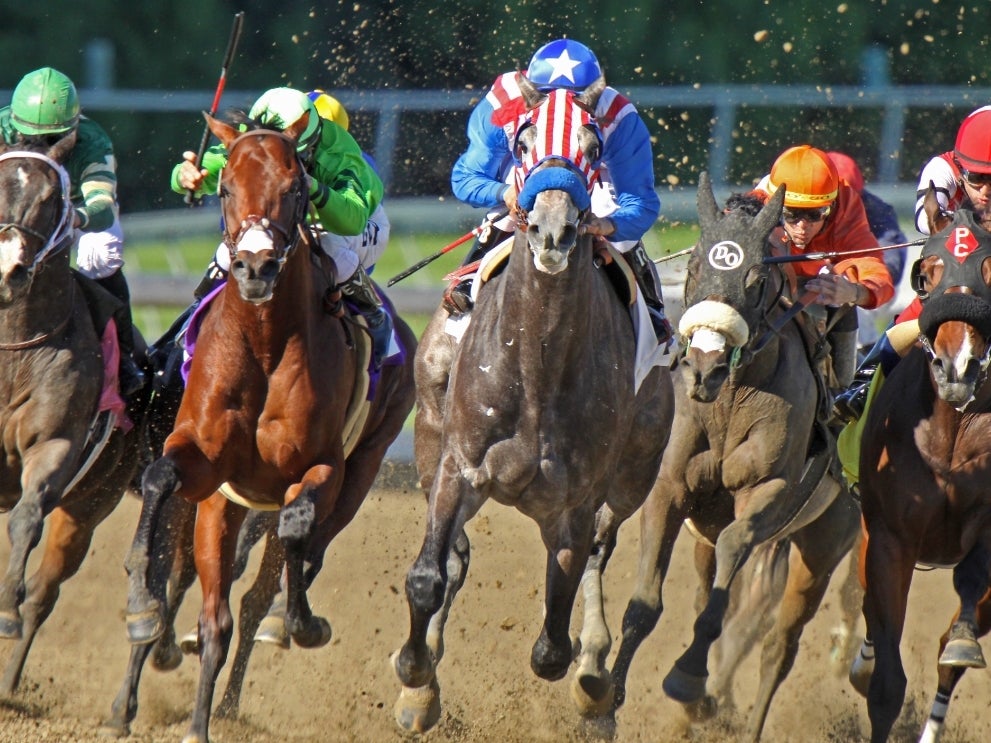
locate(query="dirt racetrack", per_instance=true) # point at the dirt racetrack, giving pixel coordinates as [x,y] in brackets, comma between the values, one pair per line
[345,691]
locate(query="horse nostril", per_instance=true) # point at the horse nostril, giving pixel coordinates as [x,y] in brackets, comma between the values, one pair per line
[18,275]
[269,270]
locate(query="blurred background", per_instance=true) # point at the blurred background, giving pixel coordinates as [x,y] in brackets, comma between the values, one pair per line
[723,85]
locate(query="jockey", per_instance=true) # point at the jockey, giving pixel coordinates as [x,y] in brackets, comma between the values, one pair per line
[344,190]
[624,201]
[962,178]
[44,108]
[883,219]
[824,214]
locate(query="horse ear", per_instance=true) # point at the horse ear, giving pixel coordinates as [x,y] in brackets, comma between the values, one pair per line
[221,130]
[295,131]
[770,215]
[59,152]
[707,207]
[531,96]
[589,98]
[936,216]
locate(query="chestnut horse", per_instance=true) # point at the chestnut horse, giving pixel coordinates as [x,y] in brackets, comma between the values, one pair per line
[537,407]
[748,464]
[925,465]
[66,455]
[277,409]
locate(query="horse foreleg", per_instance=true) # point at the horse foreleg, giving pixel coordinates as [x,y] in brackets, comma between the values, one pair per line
[844,635]
[214,543]
[254,604]
[151,550]
[816,551]
[568,540]
[458,559]
[41,483]
[660,522]
[66,546]
[452,503]
[753,601]
[592,689]
[950,675]
[297,523]
[889,567]
[971,578]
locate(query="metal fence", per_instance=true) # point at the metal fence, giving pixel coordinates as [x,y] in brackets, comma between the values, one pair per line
[725,101]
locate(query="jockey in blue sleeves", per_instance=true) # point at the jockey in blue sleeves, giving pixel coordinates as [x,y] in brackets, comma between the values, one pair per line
[624,202]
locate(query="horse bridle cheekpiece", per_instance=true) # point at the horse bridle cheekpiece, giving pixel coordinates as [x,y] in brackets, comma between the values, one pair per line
[62,232]
[557,122]
[259,224]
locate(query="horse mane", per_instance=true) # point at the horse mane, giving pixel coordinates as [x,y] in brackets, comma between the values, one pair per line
[58,150]
[239,119]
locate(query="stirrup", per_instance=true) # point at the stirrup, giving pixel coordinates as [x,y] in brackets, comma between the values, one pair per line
[457,297]
[849,405]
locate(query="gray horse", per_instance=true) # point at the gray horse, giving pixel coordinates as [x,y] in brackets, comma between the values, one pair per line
[61,459]
[739,468]
[537,408]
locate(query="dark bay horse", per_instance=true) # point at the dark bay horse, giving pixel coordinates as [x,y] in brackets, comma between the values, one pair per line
[747,463]
[276,384]
[536,407]
[925,465]
[67,454]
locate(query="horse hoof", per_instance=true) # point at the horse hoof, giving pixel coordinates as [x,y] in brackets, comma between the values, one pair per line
[145,627]
[189,643]
[272,631]
[167,657]
[684,687]
[702,710]
[418,709]
[594,696]
[10,625]
[315,634]
[962,653]
[114,729]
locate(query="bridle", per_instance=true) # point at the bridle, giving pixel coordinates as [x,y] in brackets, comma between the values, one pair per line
[61,233]
[58,238]
[290,233]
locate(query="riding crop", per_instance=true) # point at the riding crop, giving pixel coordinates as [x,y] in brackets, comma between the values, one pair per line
[448,248]
[838,254]
[221,83]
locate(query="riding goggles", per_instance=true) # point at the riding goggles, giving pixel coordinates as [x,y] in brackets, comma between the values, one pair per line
[794,216]
[975,180]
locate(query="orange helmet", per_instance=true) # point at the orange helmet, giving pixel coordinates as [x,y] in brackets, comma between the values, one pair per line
[847,169]
[809,176]
[973,147]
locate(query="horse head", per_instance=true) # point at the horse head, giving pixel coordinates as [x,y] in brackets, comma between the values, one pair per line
[557,148]
[729,290]
[263,197]
[953,280]
[36,212]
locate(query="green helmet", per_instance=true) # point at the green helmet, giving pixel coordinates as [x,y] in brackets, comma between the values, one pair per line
[44,102]
[283,107]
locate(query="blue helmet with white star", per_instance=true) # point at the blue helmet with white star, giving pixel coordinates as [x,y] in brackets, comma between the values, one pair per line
[563,63]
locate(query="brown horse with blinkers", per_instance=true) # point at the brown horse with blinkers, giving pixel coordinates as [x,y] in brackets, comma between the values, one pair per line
[925,465]
[276,410]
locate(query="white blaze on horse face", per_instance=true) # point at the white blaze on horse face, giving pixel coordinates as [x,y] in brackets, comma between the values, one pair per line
[256,240]
[11,251]
[706,340]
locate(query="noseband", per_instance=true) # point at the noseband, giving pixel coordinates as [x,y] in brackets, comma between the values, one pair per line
[290,233]
[61,233]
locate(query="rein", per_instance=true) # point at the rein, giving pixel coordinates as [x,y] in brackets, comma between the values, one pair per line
[44,337]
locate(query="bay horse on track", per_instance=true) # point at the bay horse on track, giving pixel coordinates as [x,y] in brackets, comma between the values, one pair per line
[274,384]
[67,450]
[925,465]
[739,464]
[537,408]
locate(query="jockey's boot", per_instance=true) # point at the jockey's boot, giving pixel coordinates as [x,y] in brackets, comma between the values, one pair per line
[457,296]
[844,356]
[649,283]
[360,290]
[130,376]
[849,404]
